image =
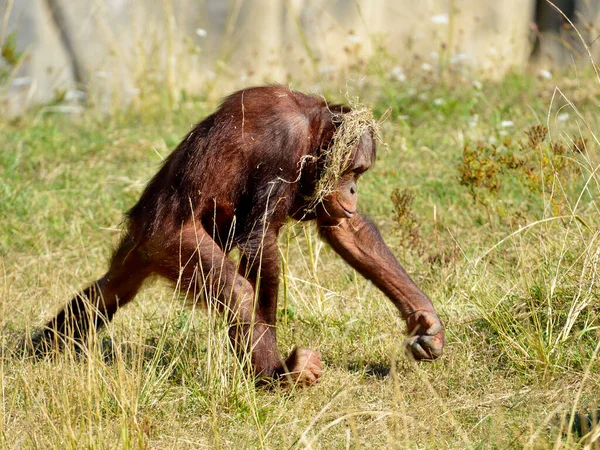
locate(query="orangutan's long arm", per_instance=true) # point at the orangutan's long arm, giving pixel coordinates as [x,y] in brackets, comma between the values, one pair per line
[359,242]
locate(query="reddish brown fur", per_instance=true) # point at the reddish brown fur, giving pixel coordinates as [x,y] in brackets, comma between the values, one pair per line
[232,182]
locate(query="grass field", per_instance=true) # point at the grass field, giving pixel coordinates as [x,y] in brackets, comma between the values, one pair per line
[497,222]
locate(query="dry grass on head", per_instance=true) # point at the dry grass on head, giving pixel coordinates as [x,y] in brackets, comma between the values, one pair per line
[338,155]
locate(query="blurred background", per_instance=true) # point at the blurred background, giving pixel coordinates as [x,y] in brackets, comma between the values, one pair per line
[108,52]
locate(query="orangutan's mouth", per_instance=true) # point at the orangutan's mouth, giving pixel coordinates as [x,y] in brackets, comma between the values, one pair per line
[347,211]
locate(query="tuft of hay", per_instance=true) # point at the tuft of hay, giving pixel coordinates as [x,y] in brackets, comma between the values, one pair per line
[338,155]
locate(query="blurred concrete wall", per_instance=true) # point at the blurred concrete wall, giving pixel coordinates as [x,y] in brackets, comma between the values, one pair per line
[109,50]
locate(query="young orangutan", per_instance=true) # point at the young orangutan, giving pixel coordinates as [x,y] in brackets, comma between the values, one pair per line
[232,182]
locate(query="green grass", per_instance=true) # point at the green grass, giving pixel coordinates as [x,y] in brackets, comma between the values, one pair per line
[516,284]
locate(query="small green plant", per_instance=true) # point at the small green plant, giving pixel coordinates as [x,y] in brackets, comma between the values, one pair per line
[9,50]
[406,221]
[11,58]
[432,250]
[536,164]
[480,171]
